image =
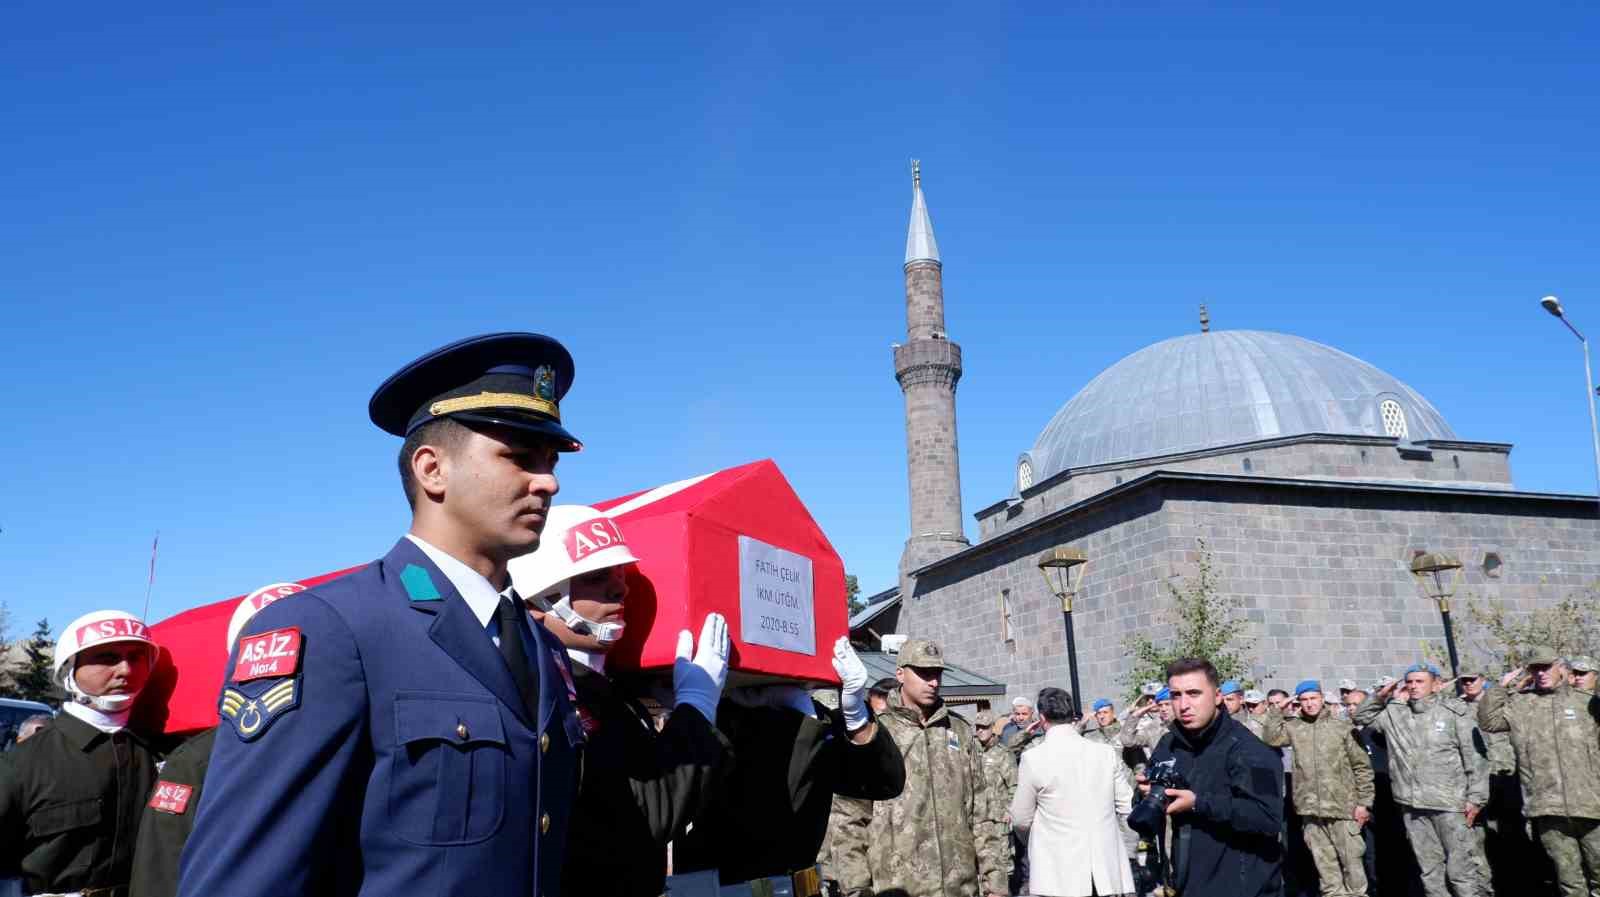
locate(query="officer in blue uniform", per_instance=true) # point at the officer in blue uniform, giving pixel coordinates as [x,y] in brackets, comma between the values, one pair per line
[403,729]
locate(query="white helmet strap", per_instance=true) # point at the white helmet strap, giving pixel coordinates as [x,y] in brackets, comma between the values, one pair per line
[606,634]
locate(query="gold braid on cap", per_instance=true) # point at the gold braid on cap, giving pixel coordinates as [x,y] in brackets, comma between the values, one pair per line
[485,400]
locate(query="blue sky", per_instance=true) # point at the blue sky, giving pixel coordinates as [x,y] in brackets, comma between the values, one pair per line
[223,227]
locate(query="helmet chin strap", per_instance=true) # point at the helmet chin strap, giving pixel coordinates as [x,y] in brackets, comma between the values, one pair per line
[113,706]
[607,634]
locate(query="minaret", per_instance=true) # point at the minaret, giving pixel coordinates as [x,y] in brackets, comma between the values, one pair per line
[928,366]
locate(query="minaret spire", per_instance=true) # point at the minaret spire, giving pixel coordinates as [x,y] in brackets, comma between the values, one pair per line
[928,366]
[920,245]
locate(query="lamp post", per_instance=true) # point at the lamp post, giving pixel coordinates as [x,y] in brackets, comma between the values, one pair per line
[1437,576]
[1062,569]
[1553,306]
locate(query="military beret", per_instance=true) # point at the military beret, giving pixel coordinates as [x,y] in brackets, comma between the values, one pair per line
[1306,685]
[921,653]
[1254,696]
[1231,687]
[514,380]
[1164,694]
[1099,705]
[1428,668]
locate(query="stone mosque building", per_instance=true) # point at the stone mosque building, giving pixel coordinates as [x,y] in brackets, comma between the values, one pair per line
[1313,478]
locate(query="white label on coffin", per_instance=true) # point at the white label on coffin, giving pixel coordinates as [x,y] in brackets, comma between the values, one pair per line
[775,606]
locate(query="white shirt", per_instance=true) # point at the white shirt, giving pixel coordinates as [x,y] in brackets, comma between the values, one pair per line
[480,596]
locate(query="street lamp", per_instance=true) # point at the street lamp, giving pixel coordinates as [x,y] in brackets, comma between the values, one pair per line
[1553,306]
[1437,576]
[1062,569]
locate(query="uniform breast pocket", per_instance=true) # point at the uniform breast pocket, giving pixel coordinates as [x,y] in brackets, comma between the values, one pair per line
[447,772]
[61,817]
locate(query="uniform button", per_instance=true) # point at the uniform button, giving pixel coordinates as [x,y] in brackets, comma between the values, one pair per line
[544,824]
[544,742]
[461,731]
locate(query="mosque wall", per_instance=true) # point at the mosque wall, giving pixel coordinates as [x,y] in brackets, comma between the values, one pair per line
[1360,459]
[1322,574]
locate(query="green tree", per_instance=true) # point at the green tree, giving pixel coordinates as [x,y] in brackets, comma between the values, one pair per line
[852,594]
[8,689]
[1491,635]
[32,675]
[1205,622]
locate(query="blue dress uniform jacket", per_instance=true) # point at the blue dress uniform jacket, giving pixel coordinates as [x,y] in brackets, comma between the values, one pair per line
[405,762]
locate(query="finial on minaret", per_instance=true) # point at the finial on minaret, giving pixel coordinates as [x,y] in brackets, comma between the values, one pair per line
[1205,319]
[920,245]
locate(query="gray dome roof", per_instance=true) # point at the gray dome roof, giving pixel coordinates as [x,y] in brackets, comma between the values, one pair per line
[1207,390]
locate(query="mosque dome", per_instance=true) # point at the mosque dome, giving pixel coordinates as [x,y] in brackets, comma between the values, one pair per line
[1208,390]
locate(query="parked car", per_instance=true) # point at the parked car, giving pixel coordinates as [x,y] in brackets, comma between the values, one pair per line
[12,713]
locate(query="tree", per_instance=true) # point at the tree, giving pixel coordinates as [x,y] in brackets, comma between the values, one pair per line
[852,594]
[8,689]
[1499,638]
[1206,623]
[32,675]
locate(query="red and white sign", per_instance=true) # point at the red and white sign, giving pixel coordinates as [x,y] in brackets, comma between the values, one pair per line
[591,536]
[170,797]
[275,653]
[116,628]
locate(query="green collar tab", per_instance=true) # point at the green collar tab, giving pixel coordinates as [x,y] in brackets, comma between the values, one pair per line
[419,585]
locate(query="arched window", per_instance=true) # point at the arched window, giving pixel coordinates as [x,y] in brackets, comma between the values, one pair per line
[1024,475]
[1394,419]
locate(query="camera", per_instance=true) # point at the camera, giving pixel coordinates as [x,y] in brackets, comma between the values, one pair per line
[1148,818]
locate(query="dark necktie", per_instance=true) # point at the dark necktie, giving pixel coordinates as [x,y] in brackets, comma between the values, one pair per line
[510,617]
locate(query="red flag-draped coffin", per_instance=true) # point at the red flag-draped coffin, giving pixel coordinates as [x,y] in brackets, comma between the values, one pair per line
[738,541]
[183,691]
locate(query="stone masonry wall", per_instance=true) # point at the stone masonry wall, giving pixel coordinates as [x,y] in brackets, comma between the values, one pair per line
[1322,575]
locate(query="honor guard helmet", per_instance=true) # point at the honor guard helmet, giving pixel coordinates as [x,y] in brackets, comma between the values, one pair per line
[577,540]
[101,627]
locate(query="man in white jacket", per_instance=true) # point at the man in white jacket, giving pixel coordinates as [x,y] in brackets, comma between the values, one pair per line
[1070,803]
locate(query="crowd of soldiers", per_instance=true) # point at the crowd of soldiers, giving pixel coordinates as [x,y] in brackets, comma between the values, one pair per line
[1419,784]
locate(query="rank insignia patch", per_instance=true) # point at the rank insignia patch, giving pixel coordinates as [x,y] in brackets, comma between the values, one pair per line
[252,714]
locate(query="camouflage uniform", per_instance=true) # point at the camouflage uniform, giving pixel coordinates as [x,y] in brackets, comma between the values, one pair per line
[1332,776]
[1143,735]
[1253,722]
[939,838]
[1556,735]
[1436,771]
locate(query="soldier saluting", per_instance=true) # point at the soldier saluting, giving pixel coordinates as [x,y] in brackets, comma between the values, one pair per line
[403,729]
[1555,729]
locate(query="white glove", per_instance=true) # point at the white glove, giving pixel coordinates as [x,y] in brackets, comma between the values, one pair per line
[853,690]
[698,682]
[780,697]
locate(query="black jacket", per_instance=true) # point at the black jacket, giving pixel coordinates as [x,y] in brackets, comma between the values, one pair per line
[771,817]
[168,818]
[639,789]
[70,800]
[1229,844]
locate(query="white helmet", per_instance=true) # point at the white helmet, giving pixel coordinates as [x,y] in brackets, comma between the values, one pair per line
[577,540]
[90,630]
[255,601]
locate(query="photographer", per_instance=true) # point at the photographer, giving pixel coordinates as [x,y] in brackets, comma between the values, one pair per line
[1227,820]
